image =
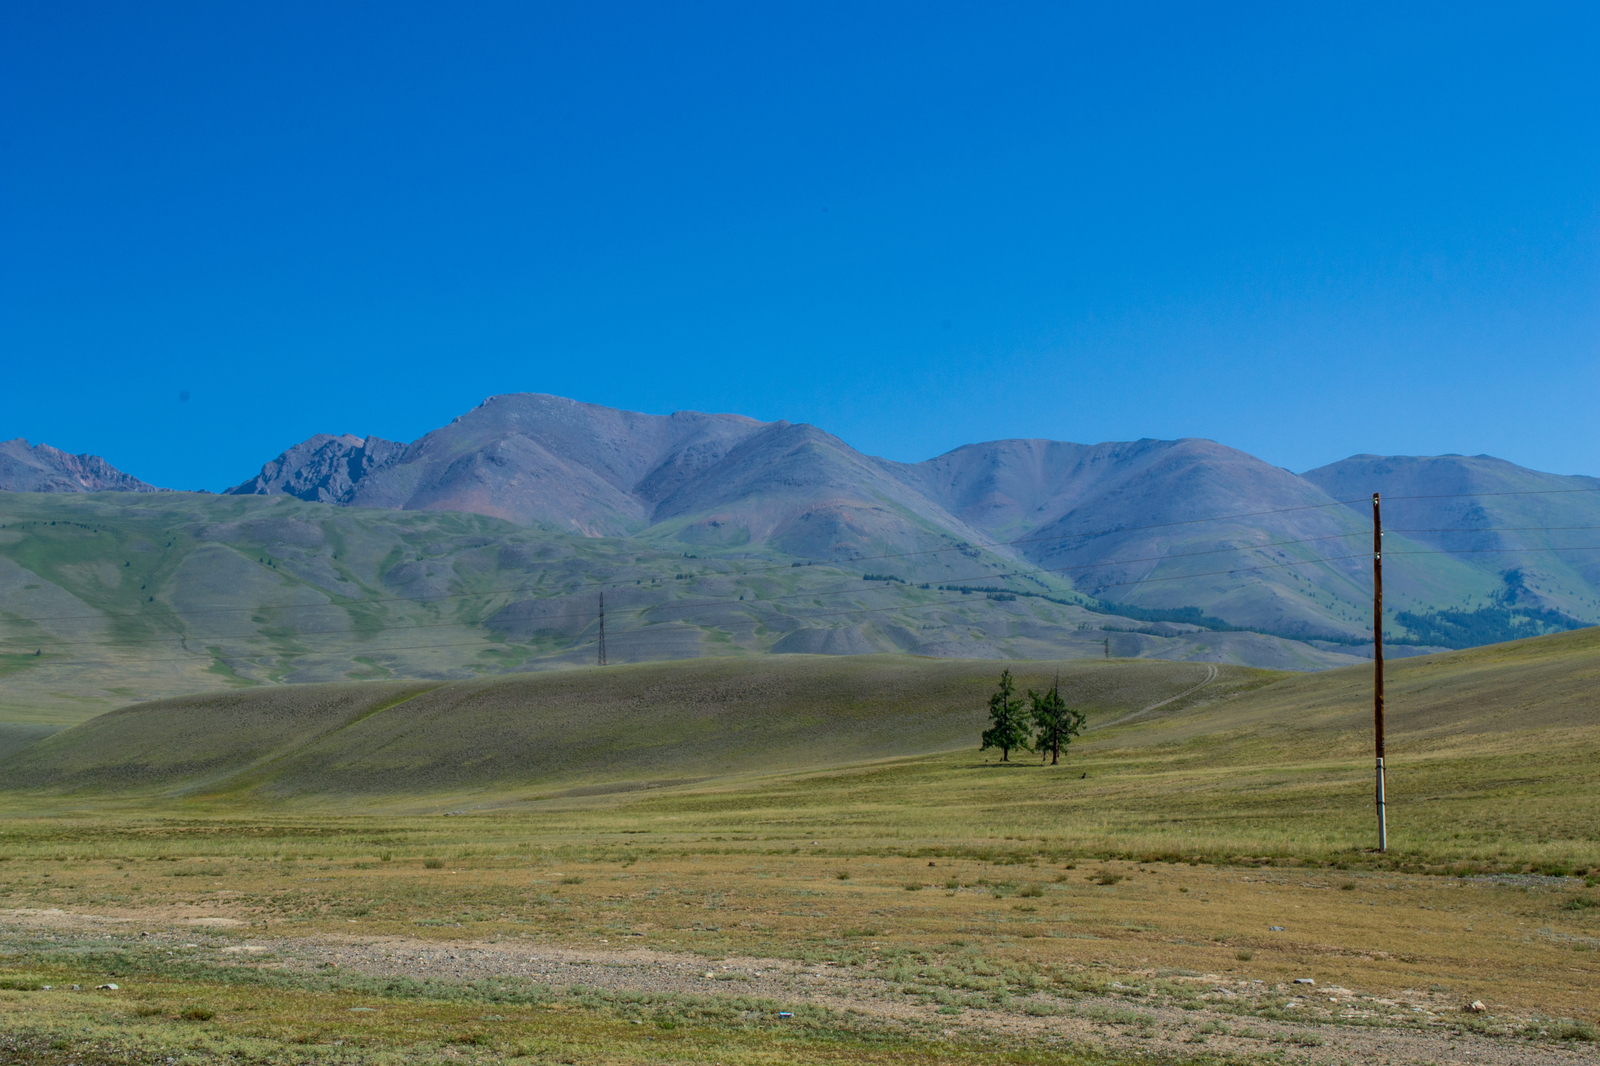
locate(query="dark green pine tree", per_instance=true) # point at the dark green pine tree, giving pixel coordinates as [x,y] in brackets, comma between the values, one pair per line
[1054,723]
[1008,728]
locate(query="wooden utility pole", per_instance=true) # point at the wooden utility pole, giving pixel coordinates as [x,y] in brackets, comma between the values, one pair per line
[602,629]
[1377,663]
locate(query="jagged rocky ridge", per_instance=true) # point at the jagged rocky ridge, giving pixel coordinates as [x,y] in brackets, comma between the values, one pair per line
[41,468]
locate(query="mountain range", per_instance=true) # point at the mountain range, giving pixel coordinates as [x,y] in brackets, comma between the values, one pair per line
[1166,545]
[1135,523]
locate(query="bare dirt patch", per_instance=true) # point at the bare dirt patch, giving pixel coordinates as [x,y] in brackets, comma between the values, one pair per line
[1240,1018]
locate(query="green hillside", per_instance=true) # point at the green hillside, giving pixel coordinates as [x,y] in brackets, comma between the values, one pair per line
[108,600]
[616,729]
[1518,525]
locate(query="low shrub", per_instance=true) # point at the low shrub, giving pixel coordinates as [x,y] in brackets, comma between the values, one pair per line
[1567,1029]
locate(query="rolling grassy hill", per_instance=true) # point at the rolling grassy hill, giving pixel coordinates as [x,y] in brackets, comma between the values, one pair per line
[1540,689]
[624,728]
[614,729]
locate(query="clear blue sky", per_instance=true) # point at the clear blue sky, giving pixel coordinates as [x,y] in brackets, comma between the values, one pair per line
[1305,231]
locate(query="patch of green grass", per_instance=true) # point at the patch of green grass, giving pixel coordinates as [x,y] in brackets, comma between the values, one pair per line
[11,663]
[223,669]
[1567,1029]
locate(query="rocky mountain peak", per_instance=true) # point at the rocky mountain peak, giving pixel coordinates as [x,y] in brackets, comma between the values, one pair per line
[41,468]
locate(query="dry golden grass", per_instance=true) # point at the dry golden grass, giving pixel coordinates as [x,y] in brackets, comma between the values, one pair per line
[1152,865]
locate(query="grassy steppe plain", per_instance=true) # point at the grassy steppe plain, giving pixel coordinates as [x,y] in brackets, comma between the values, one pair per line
[1000,912]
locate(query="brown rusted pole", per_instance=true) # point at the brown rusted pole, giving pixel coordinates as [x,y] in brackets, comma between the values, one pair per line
[1377,663]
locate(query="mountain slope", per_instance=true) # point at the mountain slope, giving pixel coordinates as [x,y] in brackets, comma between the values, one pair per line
[1534,534]
[710,480]
[527,458]
[1138,523]
[324,468]
[1467,700]
[1186,529]
[41,468]
[809,494]
[109,599]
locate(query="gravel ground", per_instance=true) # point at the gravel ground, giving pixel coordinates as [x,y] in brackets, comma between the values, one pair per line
[1419,1028]
[1342,1025]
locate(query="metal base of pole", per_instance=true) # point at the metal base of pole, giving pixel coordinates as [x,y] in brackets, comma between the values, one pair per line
[1383,817]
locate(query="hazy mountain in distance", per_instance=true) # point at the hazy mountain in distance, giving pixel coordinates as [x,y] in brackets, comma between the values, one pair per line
[1138,523]
[528,458]
[41,468]
[708,480]
[808,493]
[1185,525]
[483,546]
[1505,517]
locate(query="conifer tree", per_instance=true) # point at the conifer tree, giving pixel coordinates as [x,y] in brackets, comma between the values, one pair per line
[1007,724]
[1054,722]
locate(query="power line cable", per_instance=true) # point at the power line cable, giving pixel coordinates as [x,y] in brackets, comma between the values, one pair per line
[1471,495]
